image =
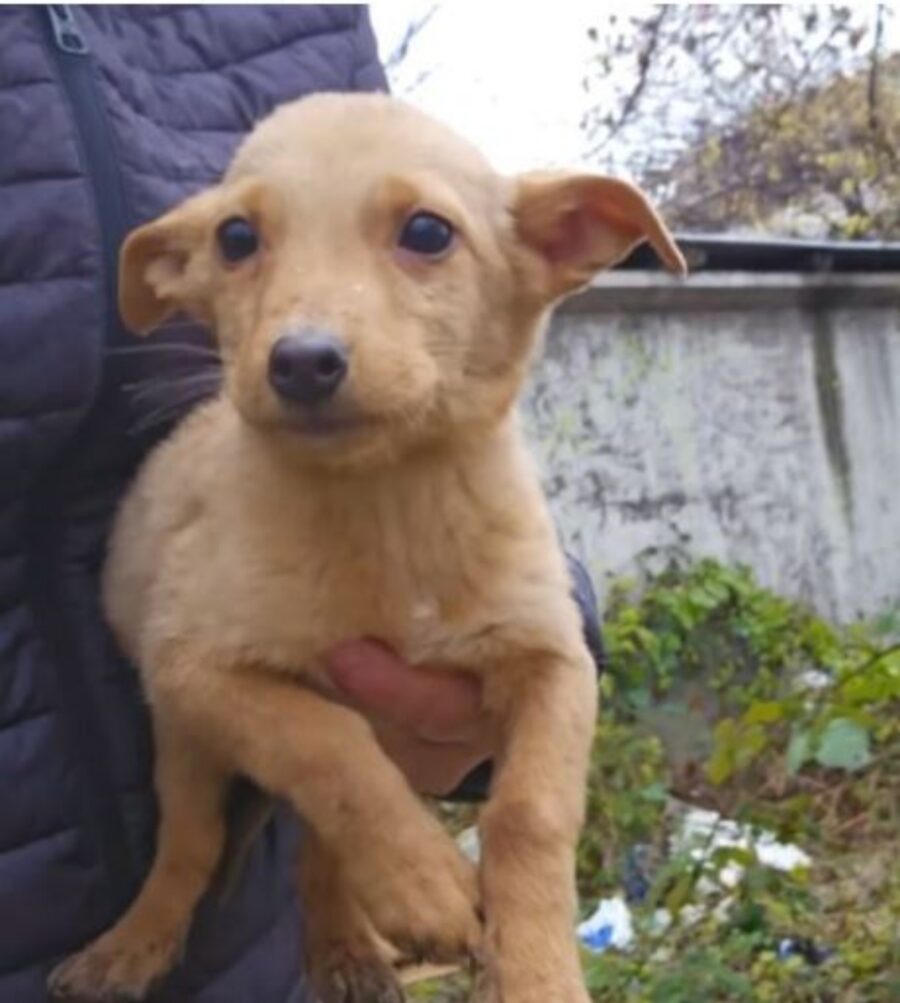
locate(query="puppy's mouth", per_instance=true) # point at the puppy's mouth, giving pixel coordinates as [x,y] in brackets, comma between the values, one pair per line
[326,423]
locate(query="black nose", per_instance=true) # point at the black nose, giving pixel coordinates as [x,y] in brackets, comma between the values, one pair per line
[307,368]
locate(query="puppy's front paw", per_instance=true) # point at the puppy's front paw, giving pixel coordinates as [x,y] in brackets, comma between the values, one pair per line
[343,973]
[427,902]
[113,970]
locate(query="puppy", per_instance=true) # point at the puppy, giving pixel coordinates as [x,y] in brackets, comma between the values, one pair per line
[377,293]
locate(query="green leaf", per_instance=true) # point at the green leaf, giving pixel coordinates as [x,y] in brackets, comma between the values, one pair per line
[798,751]
[722,856]
[639,698]
[764,712]
[720,766]
[656,793]
[844,745]
[680,893]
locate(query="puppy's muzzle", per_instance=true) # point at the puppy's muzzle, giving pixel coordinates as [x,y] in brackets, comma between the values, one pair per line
[307,367]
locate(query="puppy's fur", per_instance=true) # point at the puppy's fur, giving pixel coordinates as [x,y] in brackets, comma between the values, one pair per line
[407,509]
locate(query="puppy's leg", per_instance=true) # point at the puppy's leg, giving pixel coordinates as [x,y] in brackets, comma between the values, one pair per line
[344,959]
[125,961]
[530,829]
[406,872]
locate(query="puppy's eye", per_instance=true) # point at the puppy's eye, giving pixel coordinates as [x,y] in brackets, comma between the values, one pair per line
[237,239]
[425,233]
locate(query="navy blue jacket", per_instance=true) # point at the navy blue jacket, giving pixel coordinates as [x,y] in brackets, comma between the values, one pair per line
[108,117]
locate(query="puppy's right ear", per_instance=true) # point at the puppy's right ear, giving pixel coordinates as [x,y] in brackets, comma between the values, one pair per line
[581,224]
[162,267]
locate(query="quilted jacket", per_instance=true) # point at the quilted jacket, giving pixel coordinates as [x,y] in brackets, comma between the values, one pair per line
[108,117]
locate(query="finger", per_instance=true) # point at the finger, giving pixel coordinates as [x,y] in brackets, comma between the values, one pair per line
[440,705]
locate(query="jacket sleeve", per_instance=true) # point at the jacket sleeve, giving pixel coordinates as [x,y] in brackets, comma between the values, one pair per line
[476,785]
[368,73]
[584,594]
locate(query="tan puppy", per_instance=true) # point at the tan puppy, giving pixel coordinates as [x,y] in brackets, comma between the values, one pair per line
[377,292]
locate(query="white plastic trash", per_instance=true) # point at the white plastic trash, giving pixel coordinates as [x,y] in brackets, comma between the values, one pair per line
[610,925]
[703,831]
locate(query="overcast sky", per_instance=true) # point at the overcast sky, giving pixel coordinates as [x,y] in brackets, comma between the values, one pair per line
[508,76]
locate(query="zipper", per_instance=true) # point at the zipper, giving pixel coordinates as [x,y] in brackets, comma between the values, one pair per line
[66,32]
[70,52]
[72,56]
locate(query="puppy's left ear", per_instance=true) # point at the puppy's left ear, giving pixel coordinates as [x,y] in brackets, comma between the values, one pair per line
[581,224]
[164,267]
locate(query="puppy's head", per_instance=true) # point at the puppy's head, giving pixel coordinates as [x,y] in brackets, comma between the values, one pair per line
[373,285]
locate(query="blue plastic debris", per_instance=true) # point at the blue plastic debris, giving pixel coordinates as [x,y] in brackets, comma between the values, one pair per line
[803,947]
[608,926]
[636,872]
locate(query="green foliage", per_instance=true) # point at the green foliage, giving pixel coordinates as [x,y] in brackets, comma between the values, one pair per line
[843,745]
[699,976]
[784,692]
[627,794]
[715,622]
[804,738]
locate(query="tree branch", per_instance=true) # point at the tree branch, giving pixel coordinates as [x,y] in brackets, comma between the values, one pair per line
[414,29]
[874,67]
[653,30]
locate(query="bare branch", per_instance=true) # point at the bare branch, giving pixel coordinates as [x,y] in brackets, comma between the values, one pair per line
[653,30]
[874,65]
[413,31]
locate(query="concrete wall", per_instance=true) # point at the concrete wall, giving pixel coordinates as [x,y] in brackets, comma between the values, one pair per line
[755,418]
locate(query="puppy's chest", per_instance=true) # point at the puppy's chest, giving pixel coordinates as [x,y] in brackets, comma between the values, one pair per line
[426,580]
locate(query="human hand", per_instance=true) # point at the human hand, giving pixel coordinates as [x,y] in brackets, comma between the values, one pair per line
[429,722]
